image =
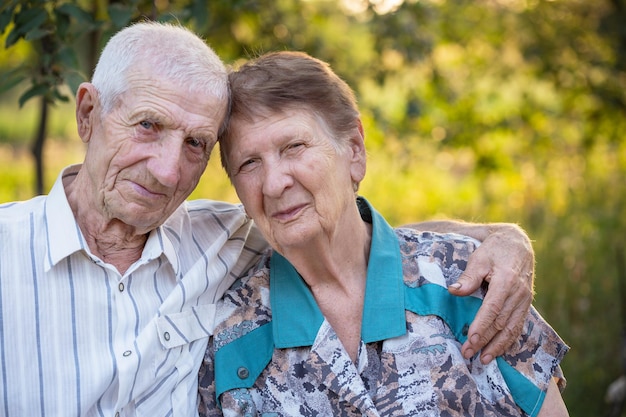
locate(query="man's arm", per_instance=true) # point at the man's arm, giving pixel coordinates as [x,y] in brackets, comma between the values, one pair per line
[506,260]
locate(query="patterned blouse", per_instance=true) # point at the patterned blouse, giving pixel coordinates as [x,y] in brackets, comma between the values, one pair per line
[274,354]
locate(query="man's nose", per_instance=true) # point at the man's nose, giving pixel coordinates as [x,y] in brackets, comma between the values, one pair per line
[165,166]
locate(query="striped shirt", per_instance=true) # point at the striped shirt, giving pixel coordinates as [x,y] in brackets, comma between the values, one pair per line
[79,339]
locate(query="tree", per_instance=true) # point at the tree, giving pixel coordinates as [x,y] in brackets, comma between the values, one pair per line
[52,28]
[61,33]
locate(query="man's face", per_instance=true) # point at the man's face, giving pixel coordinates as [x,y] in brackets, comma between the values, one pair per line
[147,155]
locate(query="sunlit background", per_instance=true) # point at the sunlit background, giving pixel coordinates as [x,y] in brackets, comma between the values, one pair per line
[485,110]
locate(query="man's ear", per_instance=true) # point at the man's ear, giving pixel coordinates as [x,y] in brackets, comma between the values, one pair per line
[358,153]
[86,100]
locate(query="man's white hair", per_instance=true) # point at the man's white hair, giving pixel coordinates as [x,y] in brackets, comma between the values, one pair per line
[169,51]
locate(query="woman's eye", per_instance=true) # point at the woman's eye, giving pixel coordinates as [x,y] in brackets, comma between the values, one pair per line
[295,145]
[247,165]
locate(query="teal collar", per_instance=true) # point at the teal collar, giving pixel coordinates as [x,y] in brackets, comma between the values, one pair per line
[296,318]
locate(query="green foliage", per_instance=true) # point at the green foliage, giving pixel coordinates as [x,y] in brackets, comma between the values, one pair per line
[51,28]
[487,110]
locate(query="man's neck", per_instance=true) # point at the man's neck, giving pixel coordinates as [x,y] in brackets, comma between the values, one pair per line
[110,239]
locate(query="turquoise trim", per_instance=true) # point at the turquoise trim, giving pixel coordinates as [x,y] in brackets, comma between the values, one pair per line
[526,394]
[296,317]
[252,352]
[458,313]
[432,299]
[383,313]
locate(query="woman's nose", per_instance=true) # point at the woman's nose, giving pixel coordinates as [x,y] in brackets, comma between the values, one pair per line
[277,178]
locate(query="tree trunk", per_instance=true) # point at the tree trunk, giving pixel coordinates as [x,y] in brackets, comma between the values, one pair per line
[38,144]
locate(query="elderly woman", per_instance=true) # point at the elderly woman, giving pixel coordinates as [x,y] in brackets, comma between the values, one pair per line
[347,316]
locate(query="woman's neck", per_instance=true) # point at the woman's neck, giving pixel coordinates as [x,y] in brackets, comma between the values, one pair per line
[337,260]
[336,272]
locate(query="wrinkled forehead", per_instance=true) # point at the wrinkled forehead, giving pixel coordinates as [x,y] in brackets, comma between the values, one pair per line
[297,119]
[171,107]
[184,80]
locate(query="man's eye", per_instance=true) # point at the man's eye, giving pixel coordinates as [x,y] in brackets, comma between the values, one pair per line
[196,143]
[146,124]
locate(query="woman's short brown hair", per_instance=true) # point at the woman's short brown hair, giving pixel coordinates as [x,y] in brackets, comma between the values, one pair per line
[280,81]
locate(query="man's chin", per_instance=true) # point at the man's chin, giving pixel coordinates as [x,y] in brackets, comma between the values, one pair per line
[145,221]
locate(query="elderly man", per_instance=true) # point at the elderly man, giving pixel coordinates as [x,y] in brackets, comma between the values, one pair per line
[108,284]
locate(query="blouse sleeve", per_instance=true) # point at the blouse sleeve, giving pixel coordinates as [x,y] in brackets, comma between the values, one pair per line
[538,352]
[207,403]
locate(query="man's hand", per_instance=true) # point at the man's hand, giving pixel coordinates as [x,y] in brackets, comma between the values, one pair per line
[505,260]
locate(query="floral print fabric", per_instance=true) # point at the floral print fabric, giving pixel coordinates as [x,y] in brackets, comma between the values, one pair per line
[420,373]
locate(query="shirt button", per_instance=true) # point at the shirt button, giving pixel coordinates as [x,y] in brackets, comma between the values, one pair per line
[166,336]
[242,372]
[120,286]
[127,353]
[465,329]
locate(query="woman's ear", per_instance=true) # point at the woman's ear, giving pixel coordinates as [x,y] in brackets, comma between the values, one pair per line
[86,99]
[358,153]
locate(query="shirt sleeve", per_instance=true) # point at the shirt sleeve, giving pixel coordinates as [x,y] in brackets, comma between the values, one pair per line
[538,352]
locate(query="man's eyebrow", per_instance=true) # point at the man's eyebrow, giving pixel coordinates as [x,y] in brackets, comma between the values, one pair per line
[145,114]
[204,132]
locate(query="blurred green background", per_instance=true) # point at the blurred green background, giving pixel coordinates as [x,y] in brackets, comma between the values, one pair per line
[485,110]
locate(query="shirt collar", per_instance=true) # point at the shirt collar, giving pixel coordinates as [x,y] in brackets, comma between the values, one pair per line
[296,318]
[62,232]
[64,236]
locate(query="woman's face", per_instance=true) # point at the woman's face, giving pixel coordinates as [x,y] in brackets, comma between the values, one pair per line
[294,180]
